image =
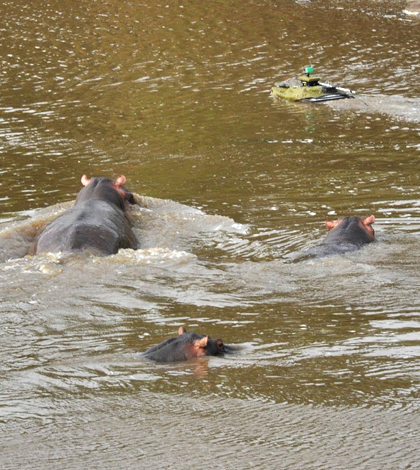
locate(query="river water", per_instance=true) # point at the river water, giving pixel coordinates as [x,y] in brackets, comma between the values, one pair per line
[233,186]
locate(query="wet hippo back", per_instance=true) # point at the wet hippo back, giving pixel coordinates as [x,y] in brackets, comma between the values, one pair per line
[97,222]
[92,225]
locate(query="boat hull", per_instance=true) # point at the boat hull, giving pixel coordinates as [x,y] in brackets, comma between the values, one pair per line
[311,94]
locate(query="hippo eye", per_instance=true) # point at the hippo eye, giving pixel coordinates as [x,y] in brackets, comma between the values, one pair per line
[221,345]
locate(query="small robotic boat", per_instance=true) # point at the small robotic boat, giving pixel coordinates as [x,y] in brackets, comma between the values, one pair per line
[309,88]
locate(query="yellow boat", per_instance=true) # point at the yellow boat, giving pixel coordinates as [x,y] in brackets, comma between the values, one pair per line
[309,88]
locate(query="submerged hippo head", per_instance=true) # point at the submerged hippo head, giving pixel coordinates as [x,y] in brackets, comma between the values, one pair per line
[106,189]
[355,230]
[185,346]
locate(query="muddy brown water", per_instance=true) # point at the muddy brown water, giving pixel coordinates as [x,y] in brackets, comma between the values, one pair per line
[232,185]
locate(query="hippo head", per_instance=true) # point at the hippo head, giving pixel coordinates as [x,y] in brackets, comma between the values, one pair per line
[106,189]
[186,346]
[352,229]
[201,345]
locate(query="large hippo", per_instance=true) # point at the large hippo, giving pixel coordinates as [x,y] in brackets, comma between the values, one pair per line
[186,346]
[97,222]
[346,235]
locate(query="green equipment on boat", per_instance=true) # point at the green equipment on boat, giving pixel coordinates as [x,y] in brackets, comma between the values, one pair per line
[309,88]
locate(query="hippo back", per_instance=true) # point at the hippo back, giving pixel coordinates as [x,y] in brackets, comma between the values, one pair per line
[90,225]
[97,222]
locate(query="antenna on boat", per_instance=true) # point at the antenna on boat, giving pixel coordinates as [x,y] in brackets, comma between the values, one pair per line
[308,70]
[306,79]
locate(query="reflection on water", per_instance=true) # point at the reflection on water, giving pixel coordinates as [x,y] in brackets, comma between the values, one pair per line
[234,185]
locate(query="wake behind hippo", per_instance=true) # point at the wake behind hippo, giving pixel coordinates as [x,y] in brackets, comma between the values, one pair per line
[346,235]
[97,222]
[186,346]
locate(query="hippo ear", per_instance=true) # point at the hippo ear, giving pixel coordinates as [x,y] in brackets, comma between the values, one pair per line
[85,180]
[369,220]
[220,345]
[201,343]
[120,181]
[181,330]
[330,224]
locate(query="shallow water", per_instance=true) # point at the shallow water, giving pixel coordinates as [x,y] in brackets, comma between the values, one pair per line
[234,185]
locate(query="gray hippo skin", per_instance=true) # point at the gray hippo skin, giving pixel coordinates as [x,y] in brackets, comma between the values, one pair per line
[346,235]
[186,346]
[97,222]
